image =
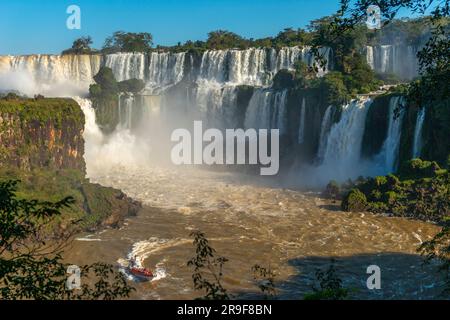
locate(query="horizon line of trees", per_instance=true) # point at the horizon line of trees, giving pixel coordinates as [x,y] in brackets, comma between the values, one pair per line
[406,30]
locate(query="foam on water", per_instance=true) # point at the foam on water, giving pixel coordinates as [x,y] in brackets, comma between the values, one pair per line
[142,250]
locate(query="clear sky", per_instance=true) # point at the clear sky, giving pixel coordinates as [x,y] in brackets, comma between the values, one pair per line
[39,26]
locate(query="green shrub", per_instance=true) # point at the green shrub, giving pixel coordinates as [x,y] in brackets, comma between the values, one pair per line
[421,191]
[332,190]
[105,78]
[131,85]
[417,168]
[354,201]
[330,286]
[377,207]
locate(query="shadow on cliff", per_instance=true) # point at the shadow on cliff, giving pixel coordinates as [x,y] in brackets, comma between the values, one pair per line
[403,276]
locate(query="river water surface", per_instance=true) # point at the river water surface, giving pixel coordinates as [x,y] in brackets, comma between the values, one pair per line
[250,223]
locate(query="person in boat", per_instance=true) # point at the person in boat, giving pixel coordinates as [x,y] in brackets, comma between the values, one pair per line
[133,261]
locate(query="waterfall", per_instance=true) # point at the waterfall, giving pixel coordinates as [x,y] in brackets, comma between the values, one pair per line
[101,153]
[301,129]
[389,151]
[286,58]
[126,111]
[254,66]
[267,110]
[126,65]
[213,64]
[165,69]
[386,57]
[51,75]
[417,144]
[248,66]
[216,104]
[398,59]
[258,115]
[92,134]
[370,57]
[279,118]
[324,130]
[341,157]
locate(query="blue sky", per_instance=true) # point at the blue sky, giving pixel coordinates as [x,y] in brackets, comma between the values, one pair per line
[39,26]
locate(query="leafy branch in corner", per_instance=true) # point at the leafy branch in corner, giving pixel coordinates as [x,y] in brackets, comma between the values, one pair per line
[438,249]
[31,265]
[265,280]
[208,269]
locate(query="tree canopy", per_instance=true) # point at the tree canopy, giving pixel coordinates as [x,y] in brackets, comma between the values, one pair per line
[122,41]
[81,46]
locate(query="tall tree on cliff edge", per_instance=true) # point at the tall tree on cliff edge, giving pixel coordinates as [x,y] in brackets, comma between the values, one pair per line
[122,41]
[81,46]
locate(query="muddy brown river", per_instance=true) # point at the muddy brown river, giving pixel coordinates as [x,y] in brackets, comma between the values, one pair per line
[251,222]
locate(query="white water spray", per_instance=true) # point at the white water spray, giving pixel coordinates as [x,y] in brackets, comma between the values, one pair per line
[417,143]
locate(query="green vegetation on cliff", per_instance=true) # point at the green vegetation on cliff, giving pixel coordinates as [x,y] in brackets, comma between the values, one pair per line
[421,190]
[81,46]
[105,95]
[94,205]
[122,41]
[41,132]
[42,145]
[56,110]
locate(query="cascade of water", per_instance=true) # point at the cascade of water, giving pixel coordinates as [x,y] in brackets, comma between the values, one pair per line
[92,133]
[104,152]
[248,66]
[258,113]
[165,69]
[343,147]
[417,144]
[398,59]
[279,119]
[301,129]
[126,65]
[267,110]
[125,112]
[324,131]
[213,64]
[389,151]
[216,104]
[370,57]
[385,58]
[49,74]
[287,57]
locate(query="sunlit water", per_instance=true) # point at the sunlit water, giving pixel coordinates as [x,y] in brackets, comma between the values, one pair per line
[291,231]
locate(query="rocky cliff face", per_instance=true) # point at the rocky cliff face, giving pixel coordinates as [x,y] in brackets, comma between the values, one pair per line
[41,144]
[41,133]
